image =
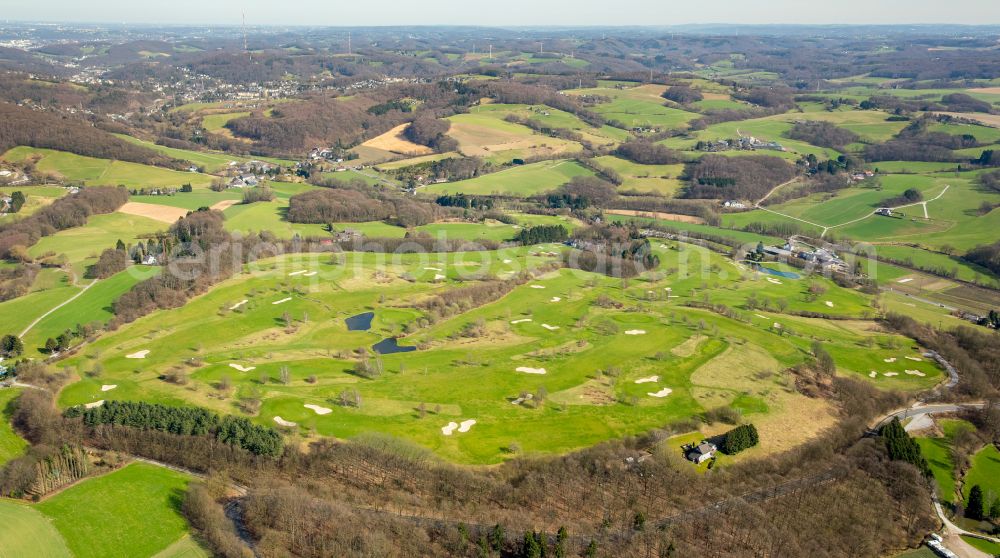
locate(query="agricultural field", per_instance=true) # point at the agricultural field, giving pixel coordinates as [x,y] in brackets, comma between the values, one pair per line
[210,161]
[660,179]
[637,107]
[82,245]
[278,334]
[134,511]
[555,118]
[524,180]
[104,172]
[25,531]
[394,141]
[488,135]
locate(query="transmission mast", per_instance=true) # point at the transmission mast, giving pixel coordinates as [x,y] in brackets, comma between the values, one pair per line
[246,48]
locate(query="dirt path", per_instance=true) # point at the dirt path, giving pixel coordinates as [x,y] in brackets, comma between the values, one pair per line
[224,205]
[45,315]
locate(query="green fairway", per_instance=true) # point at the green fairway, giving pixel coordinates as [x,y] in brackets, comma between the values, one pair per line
[11,445]
[134,511]
[526,180]
[103,172]
[985,472]
[26,533]
[937,452]
[21,311]
[82,245]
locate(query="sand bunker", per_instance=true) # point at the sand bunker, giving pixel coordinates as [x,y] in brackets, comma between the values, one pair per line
[282,301]
[662,393]
[94,404]
[893,359]
[108,387]
[828,303]
[648,380]
[890,374]
[529,370]
[438,277]
[284,422]
[761,317]
[550,327]
[432,268]
[915,373]
[538,286]
[319,410]
[872,374]
[907,280]
[636,332]
[300,272]
[466,425]
[507,261]
[916,359]
[773,280]
[238,304]
[451,427]
[555,299]
[521,321]
[241,368]
[139,354]
[310,274]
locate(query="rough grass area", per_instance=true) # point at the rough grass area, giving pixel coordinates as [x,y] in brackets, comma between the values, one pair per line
[25,532]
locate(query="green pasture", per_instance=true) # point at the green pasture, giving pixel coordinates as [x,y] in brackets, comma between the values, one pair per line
[26,533]
[526,180]
[985,472]
[82,245]
[662,179]
[104,172]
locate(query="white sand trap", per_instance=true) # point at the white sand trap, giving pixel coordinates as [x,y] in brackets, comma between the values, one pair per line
[555,299]
[776,325]
[108,387]
[550,327]
[872,374]
[139,354]
[466,425]
[521,321]
[773,280]
[662,393]
[648,380]
[915,359]
[890,374]
[915,373]
[673,296]
[828,303]
[438,277]
[507,261]
[893,359]
[94,404]
[528,370]
[238,304]
[319,410]
[310,274]
[432,269]
[907,280]
[284,422]
[538,286]
[761,317]
[282,301]
[520,400]
[299,272]
[451,427]
[242,368]
[636,332]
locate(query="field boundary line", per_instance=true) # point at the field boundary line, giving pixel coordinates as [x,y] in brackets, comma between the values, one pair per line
[45,315]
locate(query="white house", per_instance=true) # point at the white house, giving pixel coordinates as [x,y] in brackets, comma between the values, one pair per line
[702,453]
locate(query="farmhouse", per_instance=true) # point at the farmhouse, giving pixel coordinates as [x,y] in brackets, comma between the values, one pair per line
[702,452]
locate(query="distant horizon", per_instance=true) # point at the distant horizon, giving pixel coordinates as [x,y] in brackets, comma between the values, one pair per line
[515,13]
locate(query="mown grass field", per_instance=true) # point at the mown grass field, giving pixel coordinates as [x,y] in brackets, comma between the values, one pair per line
[937,452]
[103,172]
[640,106]
[526,180]
[134,511]
[985,472]
[465,368]
[82,245]
[661,179]
[11,445]
[25,532]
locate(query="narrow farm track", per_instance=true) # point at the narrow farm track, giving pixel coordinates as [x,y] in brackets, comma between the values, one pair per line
[57,307]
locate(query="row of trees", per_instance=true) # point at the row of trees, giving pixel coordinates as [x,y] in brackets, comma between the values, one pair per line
[541,234]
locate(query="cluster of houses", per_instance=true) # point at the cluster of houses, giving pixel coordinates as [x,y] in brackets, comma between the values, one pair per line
[743,143]
[249,174]
[825,257]
[863,175]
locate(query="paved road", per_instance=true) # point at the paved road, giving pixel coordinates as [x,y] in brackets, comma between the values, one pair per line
[935,409]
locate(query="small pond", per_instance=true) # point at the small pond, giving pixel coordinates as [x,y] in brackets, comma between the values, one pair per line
[361,322]
[389,346]
[785,274]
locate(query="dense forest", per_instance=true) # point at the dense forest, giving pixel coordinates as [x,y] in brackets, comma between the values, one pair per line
[746,178]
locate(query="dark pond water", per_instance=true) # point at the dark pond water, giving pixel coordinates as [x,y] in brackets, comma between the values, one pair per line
[389,346]
[785,274]
[361,322]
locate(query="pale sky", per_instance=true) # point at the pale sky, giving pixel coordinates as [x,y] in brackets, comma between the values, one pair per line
[503,12]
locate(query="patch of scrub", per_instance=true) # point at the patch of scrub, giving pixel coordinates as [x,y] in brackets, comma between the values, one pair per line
[636,332]
[689,347]
[108,387]
[284,422]
[662,393]
[241,368]
[319,410]
[648,380]
[282,301]
[139,354]
[529,370]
